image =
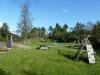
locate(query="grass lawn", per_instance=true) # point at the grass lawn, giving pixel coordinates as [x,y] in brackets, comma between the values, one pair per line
[20,61]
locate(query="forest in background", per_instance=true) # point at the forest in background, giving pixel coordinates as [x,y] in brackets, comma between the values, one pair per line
[59,33]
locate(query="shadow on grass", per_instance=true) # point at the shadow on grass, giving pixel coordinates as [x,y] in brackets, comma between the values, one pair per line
[85,59]
[75,47]
[72,56]
[2,72]
[97,50]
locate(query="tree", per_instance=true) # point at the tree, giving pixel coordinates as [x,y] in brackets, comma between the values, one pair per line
[50,29]
[58,27]
[4,31]
[35,32]
[98,31]
[65,27]
[42,33]
[95,34]
[0,35]
[25,22]
[58,33]
[38,32]
[79,31]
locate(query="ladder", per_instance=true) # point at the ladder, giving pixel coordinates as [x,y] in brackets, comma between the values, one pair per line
[89,48]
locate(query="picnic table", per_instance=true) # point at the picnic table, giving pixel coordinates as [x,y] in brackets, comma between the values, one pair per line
[43,47]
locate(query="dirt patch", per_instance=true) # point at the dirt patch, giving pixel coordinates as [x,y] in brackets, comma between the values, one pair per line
[21,46]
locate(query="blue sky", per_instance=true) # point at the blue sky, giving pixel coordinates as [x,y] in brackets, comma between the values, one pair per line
[48,12]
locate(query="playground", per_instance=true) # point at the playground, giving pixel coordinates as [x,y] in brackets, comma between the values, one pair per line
[58,60]
[49,37]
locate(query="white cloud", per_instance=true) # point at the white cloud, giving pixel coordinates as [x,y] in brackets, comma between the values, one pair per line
[65,10]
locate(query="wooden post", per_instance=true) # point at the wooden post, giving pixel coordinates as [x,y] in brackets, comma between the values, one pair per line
[11,39]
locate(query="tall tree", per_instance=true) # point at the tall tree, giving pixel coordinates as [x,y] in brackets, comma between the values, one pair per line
[35,32]
[50,29]
[4,31]
[57,33]
[25,22]
[98,31]
[58,27]
[79,31]
[65,27]
[95,36]
[43,31]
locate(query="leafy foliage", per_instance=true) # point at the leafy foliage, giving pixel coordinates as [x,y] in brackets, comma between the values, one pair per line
[37,32]
[4,32]
[95,34]
[59,33]
[79,31]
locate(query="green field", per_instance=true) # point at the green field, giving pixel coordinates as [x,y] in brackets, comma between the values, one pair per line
[29,61]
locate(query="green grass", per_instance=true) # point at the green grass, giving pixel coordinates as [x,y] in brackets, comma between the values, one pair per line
[40,62]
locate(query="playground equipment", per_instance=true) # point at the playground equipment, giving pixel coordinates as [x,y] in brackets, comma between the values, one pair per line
[90,51]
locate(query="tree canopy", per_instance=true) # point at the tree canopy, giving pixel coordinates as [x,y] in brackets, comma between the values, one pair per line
[4,31]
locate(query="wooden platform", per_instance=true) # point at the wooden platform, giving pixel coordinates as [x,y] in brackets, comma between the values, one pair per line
[3,49]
